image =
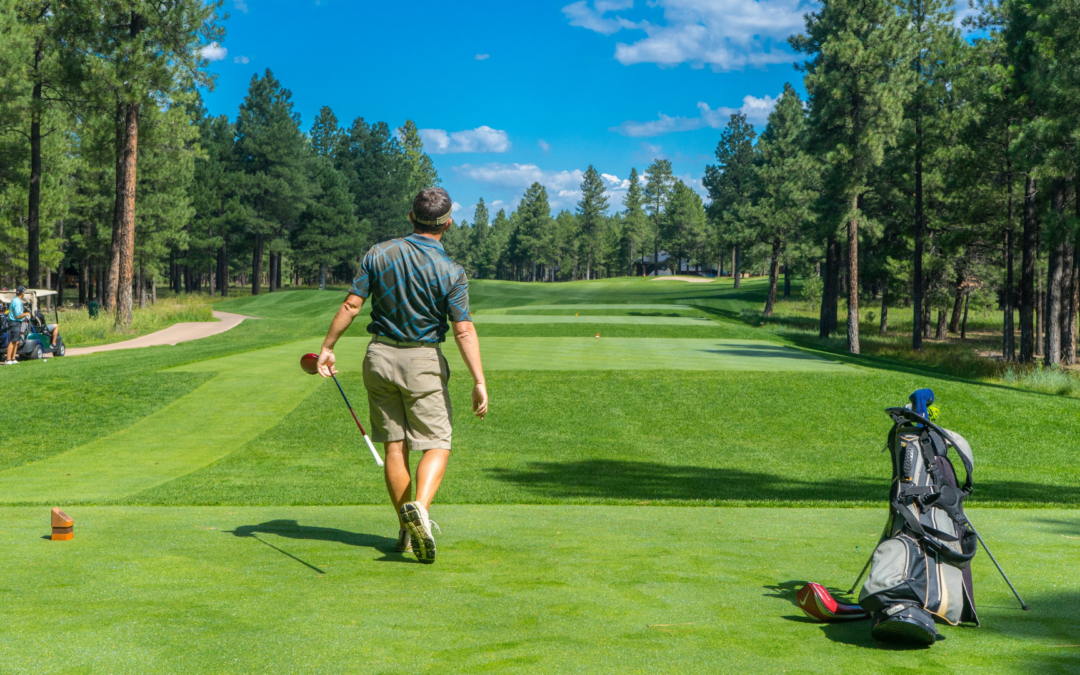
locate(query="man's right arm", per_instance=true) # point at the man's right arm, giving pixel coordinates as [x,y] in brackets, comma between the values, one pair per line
[342,320]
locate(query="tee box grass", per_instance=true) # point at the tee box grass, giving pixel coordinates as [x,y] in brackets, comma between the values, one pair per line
[599,520]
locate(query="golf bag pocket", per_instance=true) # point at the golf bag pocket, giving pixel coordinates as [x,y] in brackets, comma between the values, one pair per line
[903,572]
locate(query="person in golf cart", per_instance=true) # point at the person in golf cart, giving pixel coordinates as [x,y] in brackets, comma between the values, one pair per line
[17,314]
[30,337]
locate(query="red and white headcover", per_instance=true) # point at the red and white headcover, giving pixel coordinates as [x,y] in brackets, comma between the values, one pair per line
[819,605]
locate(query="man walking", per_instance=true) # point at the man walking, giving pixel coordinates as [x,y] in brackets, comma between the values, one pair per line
[16,314]
[414,287]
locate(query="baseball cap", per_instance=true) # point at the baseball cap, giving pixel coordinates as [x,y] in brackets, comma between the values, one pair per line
[20,290]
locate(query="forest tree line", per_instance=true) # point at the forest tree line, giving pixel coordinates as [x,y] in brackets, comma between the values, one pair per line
[925,169]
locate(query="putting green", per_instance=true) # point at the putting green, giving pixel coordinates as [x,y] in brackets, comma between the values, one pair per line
[647,354]
[557,318]
[523,589]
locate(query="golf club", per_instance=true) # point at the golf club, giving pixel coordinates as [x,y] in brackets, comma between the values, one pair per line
[310,364]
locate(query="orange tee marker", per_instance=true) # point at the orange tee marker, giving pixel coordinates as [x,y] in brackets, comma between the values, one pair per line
[63,525]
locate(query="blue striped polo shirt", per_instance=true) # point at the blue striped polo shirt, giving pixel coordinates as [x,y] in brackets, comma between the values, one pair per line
[413,287]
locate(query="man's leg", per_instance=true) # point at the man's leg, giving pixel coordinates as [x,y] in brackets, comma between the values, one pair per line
[429,475]
[398,480]
[55,330]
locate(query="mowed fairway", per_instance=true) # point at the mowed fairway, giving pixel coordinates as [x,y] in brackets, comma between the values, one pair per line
[643,502]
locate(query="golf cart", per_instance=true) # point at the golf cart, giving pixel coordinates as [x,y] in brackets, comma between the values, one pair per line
[34,342]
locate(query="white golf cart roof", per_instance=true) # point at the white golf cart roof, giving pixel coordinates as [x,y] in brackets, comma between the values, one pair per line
[32,293]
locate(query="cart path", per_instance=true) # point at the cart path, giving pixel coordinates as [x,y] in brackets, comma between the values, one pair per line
[175,334]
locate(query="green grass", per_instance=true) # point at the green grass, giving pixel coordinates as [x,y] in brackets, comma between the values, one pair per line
[79,330]
[516,589]
[229,519]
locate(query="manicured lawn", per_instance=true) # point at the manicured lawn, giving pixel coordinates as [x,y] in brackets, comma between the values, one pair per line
[229,518]
[516,589]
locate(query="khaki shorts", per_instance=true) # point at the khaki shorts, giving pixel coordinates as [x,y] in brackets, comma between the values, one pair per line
[408,396]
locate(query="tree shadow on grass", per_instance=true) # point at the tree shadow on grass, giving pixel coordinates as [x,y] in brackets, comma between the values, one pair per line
[765,352]
[647,481]
[290,529]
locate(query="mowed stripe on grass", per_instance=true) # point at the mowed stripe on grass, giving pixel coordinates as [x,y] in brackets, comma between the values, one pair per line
[515,589]
[253,391]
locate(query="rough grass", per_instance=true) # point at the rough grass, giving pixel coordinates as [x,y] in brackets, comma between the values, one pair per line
[79,330]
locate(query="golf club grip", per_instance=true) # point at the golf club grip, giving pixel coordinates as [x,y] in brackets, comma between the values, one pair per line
[374,452]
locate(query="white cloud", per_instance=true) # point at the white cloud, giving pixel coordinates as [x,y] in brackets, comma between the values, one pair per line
[241,6]
[455,207]
[241,59]
[483,57]
[756,110]
[722,34]
[544,145]
[480,139]
[562,186]
[213,52]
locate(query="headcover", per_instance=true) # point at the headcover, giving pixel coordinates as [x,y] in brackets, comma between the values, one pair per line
[920,400]
[441,220]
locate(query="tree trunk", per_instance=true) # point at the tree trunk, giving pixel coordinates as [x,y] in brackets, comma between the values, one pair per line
[1027,274]
[588,266]
[917,285]
[322,276]
[109,299]
[33,211]
[127,232]
[278,284]
[223,269]
[1008,338]
[963,325]
[272,276]
[142,288]
[1040,300]
[787,280]
[1052,346]
[736,264]
[883,329]
[826,275]
[774,275]
[256,265]
[153,290]
[1073,305]
[834,286]
[853,278]
[939,334]
[954,320]
[212,286]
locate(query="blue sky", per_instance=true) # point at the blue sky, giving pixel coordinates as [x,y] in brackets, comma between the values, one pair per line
[506,93]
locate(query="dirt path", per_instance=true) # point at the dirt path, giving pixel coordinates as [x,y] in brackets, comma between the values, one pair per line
[181,332]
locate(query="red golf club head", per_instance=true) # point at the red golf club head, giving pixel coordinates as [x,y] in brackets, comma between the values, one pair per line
[310,363]
[819,604]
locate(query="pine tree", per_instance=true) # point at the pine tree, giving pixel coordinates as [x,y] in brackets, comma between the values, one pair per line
[858,83]
[379,176]
[591,209]
[785,185]
[423,169]
[326,137]
[730,183]
[532,236]
[657,192]
[683,224]
[478,247]
[272,153]
[329,232]
[136,51]
[634,221]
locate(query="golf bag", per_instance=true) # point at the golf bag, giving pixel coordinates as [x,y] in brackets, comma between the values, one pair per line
[920,571]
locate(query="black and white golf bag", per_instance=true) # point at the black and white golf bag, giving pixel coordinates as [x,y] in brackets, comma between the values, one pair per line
[920,570]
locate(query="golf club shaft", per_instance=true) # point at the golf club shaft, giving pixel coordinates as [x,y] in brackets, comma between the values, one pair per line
[371,446]
[1023,605]
[859,578]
